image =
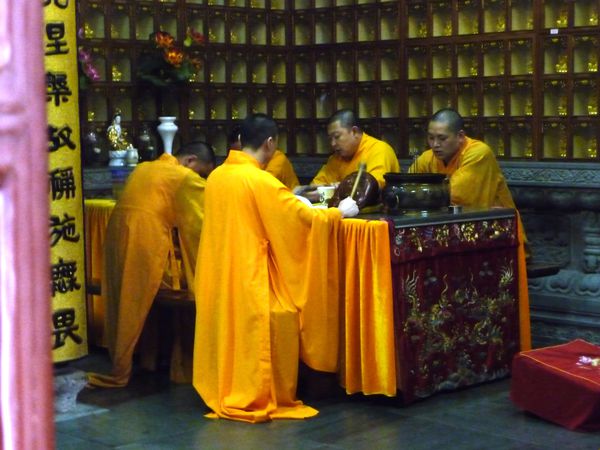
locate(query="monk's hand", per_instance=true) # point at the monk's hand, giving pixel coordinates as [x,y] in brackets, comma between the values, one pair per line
[301,189]
[308,191]
[348,207]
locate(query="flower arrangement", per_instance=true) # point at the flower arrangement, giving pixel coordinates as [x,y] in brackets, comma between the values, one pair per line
[87,71]
[169,63]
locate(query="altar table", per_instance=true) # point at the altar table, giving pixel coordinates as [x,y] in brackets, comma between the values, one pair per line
[430,301]
[457,282]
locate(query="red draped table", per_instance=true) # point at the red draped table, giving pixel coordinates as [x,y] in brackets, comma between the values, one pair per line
[455,283]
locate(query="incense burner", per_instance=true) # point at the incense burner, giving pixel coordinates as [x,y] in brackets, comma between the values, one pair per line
[409,192]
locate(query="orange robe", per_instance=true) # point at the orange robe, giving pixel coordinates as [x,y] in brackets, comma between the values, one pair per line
[267,294]
[281,168]
[158,196]
[378,155]
[476,180]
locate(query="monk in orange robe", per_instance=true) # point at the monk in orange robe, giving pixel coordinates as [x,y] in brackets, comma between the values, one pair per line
[266,286]
[279,166]
[158,196]
[351,146]
[476,180]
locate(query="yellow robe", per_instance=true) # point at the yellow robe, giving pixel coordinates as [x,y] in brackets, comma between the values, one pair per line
[475,176]
[267,294]
[281,168]
[378,155]
[158,196]
[476,180]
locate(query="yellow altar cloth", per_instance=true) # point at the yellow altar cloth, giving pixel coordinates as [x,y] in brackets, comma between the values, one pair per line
[368,353]
[96,215]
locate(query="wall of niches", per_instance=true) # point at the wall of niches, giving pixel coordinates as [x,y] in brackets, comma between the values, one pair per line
[522,72]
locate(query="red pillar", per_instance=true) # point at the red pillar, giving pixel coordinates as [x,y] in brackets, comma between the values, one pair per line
[26,402]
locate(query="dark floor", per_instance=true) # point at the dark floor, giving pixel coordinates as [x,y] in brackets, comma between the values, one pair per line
[152,413]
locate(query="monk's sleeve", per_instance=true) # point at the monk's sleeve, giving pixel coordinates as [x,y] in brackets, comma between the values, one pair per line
[325,174]
[474,182]
[305,273]
[382,161]
[421,165]
[189,208]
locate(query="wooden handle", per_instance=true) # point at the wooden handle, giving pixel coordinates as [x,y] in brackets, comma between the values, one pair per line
[361,168]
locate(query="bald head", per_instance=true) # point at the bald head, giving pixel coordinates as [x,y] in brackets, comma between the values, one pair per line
[255,129]
[450,117]
[198,156]
[346,118]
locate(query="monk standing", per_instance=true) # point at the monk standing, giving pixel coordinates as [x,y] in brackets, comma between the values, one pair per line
[266,286]
[158,196]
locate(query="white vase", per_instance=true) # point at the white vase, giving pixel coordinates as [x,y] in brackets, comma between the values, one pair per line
[167,129]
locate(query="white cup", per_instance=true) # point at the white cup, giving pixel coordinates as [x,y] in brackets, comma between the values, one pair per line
[132,157]
[325,193]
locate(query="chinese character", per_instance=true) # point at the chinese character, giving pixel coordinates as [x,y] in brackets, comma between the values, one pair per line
[64,327]
[64,229]
[56,87]
[55,32]
[64,277]
[62,182]
[62,4]
[59,137]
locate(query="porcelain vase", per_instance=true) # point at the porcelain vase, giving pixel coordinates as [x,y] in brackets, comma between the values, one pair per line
[167,129]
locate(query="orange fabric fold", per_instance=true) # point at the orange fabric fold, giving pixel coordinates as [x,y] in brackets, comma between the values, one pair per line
[369,359]
[97,213]
[524,319]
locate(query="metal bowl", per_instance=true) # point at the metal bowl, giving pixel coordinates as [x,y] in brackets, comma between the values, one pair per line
[408,192]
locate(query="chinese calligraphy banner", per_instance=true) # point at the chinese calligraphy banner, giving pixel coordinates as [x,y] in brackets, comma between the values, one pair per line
[69,323]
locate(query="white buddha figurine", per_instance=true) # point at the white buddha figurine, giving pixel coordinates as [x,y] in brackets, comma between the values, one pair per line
[117,136]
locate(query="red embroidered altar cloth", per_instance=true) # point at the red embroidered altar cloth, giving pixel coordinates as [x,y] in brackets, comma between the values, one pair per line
[456,301]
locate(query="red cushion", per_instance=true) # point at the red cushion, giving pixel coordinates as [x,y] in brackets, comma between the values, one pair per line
[560,384]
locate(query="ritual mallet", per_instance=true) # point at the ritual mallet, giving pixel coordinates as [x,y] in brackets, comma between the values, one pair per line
[362,166]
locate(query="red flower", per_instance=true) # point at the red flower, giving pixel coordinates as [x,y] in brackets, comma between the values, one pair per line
[198,38]
[163,40]
[174,56]
[170,61]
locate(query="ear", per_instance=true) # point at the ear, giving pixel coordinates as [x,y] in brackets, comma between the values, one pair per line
[189,160]
[269,145]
